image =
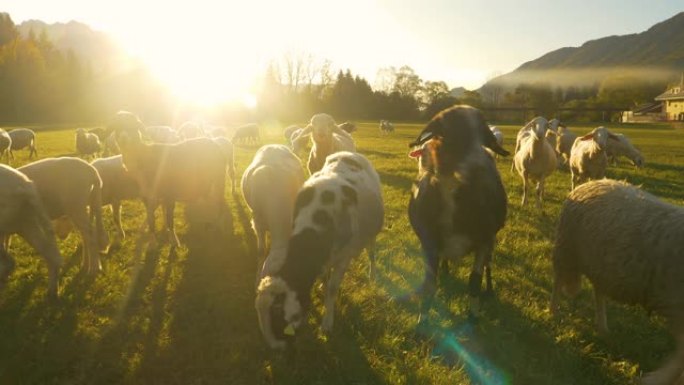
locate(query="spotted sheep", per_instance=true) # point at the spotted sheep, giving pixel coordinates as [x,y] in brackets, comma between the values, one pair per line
[338,212]
[458,203]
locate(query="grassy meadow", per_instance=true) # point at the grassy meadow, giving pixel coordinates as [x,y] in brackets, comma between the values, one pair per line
[186,316]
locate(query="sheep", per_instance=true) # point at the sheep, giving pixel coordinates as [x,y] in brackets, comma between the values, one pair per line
[349,127]
[22,138]
[386,127]
[247,133]
[117,185]
[535,159]
[5,144]
[23,213]
[588,158]
[628,243]
[67,186]
[87,143]
[100,132]
[338,212]
[161,134]
[228,151]
[524,132]
[327,138]
[564,143]
[623,147]
[553,126]
[299,142]
[111,147]
[458,202]
[190,130]
[273,165]
[189,171]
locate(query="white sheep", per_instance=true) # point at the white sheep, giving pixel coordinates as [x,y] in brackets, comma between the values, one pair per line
[535,159]
[5,144]
[628,243]
[228,150]
[270,185]
[23,213]
[117,185]
[338,213]
[22,138]
[588,159]
[87,143]
[564,143]
[299,142]
[623,147]
[67,187]
[190,171]
[386,127]
[328,138]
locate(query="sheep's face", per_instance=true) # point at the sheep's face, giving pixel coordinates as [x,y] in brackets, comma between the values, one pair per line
[279,311]
[462,130]
[600,136]
[322,126]
[638,161]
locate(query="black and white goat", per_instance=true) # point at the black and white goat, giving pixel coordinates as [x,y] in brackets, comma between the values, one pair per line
[458,202]
[338,212]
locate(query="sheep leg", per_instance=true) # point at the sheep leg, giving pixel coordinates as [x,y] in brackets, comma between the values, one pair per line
[370,249]
[260,232]
[524,197]
[169,208]
[7,265]
[91,254]
[150,208]
[331,288]
[482,255]
[429,286]
[488,276]
[673,368]
[116,216]
[540,193]
[555,296]
[601,319]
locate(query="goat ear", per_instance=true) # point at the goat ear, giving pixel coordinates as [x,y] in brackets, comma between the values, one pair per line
[588,136]
[433,129]
[490,141]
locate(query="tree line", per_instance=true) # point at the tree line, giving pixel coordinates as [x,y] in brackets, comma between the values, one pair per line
[41,84]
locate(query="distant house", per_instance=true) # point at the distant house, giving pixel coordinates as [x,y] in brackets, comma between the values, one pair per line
[673,102]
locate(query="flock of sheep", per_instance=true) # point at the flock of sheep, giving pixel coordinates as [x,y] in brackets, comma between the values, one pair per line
[624,240]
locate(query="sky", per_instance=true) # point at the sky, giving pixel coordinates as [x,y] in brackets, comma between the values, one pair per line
[204,47]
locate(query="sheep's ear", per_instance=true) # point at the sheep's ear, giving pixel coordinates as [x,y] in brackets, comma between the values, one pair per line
[588,136]
[434,128]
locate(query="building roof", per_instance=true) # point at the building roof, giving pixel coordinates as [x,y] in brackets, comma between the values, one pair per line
[648,108]
[671,95]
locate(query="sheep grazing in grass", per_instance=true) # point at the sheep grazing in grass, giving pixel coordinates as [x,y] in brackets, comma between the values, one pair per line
[86,143]
[190,130]
[22,138]
[228,150]
[67,187]
[348,127]
[623,147]
[588,159]
[458,203]
[249,133]
[386,127]
[628,243]
[564,143]
[117,185]
[23,213]
[273,165]
[190,171]
[161,134]
[5,144]
[328,138]
[337,214]
[535,159]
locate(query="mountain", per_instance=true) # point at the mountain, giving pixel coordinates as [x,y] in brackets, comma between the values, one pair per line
[457,92]
[89,45]
[656,54]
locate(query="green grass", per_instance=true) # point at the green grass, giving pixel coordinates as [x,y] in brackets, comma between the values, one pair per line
[187,317]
